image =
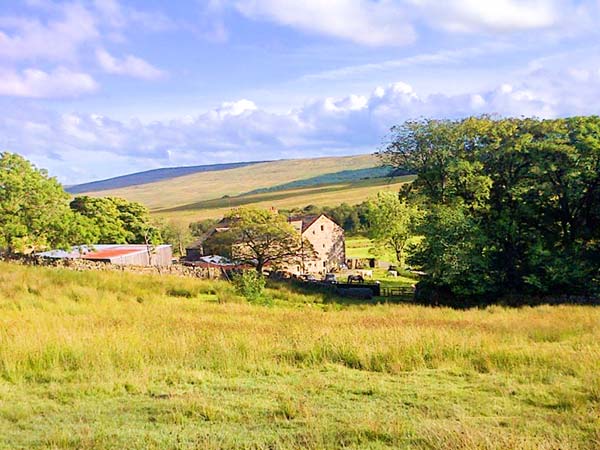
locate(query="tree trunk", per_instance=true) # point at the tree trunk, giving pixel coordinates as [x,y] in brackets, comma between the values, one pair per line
[259,266]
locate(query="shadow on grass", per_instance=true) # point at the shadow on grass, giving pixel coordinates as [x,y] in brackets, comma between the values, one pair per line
[329,294]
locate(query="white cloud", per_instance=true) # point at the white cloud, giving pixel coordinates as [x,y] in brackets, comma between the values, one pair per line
[35,83]
[115,15]
[111,11]
[242,130]
[491,15]
[360,21]
[57,39]
[236,108]
[395,22]
[130,66]
[442,57]
[40,57]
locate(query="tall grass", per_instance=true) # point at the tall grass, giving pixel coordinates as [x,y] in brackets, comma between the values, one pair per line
[193,361]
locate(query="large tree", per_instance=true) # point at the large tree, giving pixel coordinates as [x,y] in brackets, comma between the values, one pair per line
[391,224]
[177,233]
[261,237]
[119,221]
[34,209]
[512,204]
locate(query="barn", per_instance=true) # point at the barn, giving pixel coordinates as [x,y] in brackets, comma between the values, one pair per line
[117,254]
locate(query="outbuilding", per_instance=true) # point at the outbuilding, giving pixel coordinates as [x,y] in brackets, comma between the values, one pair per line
[118,254]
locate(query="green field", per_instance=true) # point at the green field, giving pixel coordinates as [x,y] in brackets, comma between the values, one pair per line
[327,195]
[95,360]
[285,184]
[198,187]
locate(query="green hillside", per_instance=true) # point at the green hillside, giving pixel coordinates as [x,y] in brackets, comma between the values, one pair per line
[150,176]
[332,178]
[174,193]
[325,195]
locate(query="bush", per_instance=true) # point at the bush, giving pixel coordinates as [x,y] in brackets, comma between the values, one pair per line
[249,284]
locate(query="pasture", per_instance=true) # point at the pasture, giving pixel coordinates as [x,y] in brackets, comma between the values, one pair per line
[95,360]
[327,195]
[202,186]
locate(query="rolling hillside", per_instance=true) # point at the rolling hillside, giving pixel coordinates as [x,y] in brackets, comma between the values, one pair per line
[182,191]
[150,176]
[325,195]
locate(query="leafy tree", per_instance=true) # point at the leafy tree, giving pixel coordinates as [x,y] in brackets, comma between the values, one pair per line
[261,237]
[34,211]
[352,218]
[177,233]
[513,204]
[119,221]
[391,224]
[453,251]
[197,229]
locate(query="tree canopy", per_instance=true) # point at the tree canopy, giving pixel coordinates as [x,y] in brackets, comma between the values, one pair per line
[117,221]
[35,213]
[513,205]
[34,209]
[262,237]
[391,223]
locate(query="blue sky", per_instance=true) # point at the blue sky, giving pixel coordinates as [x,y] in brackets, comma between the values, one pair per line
[94,89]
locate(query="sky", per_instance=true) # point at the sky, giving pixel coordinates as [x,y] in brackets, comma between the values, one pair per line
[91,89]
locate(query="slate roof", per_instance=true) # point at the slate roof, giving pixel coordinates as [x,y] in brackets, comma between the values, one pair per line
[307,221]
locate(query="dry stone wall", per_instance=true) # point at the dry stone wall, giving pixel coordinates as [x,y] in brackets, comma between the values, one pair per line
[84,265]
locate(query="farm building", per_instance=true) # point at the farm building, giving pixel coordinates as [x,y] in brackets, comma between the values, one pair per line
[326,237]
[118,254]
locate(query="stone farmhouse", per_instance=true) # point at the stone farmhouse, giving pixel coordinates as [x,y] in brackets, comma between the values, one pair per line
[325,236]
[327,239]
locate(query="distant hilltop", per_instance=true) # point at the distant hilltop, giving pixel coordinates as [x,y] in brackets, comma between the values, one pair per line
[208,191]
[150,176]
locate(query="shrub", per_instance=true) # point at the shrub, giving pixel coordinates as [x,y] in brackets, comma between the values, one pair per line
[249,284]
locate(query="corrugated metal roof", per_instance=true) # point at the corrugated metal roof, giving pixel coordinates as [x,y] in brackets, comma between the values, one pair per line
[98,251]
[113,252]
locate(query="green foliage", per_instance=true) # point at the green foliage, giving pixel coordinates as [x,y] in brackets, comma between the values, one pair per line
[118,221]
[34,212]
[176,233]
[352,218]
[249,284]
[260,237]
[453,250]
[198,228]
[514,204]
[391,224]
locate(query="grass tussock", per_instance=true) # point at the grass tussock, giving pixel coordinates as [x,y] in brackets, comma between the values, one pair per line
[114,360]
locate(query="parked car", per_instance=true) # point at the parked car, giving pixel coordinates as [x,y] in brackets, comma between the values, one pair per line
[308,277]
[330,278]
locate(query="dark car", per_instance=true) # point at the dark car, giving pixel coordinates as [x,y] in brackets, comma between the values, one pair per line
[330,278]
[308,277]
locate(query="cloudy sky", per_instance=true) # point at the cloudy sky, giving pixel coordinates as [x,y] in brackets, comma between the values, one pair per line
[94,89]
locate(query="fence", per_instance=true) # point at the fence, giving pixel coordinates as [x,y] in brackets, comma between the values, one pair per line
[404,291]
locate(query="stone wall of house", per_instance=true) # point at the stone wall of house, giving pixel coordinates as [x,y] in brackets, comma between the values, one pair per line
[327,239]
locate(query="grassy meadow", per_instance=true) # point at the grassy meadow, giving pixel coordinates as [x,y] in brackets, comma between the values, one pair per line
[202,186]
[327,195]
[95,360]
